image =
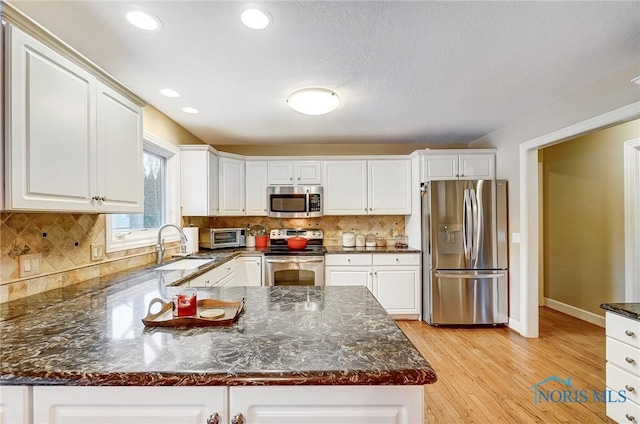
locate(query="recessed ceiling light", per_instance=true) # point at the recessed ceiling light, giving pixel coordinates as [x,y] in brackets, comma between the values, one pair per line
[255,18]
[169,92]
[636,80]
[189,109]
[314,101]
[143,20]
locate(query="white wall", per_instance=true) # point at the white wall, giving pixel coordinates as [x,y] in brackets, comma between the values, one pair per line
[604,96]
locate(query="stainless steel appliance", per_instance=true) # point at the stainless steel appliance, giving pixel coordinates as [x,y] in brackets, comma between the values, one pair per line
[217,238]
[464,247]
[295,202]
[287,267]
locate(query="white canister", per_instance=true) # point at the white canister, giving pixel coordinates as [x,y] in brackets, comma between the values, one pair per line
[360,240]
[251,241]
[348,239]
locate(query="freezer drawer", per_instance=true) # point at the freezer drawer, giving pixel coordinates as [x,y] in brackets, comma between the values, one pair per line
[466,298]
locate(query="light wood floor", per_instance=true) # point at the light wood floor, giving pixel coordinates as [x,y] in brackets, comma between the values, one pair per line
[485,375]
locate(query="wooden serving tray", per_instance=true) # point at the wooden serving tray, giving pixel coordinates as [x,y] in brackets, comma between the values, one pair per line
[165,318]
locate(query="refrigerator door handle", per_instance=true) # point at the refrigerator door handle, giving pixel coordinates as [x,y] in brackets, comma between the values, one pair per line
[476,212]
[466,224]
[457,275]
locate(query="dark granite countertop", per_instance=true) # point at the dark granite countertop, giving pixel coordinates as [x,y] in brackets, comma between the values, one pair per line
[629,310]
[388,249]
[91,334]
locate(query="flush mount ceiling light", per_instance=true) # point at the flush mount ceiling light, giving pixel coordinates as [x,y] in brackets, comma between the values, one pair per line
[314,101]
[189,109]
[255,19]
[169,92]
[143,20]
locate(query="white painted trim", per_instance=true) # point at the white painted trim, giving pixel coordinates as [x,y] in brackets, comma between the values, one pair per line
[515,325]
[632,220]
[574,312]
[529,228]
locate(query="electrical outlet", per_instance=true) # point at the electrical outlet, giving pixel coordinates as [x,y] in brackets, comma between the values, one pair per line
[29,264]
[97,251]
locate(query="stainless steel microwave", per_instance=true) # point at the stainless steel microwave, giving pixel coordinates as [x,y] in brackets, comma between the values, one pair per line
[217,238]
[294,202]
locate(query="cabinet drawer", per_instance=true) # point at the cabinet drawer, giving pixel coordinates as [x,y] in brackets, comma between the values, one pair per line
[624,329]
[396,259]
[348,259]
[621,380]
[624,412]
[624,356]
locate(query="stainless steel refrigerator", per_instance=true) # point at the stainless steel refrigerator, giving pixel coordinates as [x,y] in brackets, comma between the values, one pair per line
[464,245]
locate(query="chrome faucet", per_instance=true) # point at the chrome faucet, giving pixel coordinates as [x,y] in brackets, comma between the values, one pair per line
[160,243]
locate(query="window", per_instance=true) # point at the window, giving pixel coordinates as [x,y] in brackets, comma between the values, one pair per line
[160,166]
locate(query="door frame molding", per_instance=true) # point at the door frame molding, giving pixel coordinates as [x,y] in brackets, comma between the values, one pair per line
[632,220]
[530,208]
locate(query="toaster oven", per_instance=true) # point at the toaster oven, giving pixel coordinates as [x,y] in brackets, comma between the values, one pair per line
[217,238]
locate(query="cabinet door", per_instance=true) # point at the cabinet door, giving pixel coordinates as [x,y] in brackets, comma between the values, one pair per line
[477,167]
[119,167]
[256,188]
[140,405]
[390,187]
[348,276]
[328,404]
[345,188]
[198,181]
[231,186]
[15,406]
[397,288]
[249,271]
[308,173]
[281,173]
[51,150]
[440,167]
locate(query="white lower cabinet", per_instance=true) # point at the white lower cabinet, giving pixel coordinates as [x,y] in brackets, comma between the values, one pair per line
[139,405]
[249,271]
[227,405]
[394,279]
[623,367]
[14,405]
[222,275]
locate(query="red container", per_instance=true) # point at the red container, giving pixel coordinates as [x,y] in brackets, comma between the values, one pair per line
[261,241]
[297,243]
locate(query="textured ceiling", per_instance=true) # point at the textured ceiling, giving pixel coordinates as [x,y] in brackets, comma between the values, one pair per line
[420,72]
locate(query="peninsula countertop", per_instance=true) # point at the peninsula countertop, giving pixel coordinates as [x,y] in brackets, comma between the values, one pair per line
[93,335]
[629,310]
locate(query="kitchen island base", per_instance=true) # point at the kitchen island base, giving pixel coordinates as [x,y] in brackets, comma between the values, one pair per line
[199,405]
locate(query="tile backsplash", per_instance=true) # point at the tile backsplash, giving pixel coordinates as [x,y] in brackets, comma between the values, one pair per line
[386,226]
[64,241]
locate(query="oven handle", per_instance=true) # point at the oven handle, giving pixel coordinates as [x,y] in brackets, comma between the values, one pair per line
[294,260]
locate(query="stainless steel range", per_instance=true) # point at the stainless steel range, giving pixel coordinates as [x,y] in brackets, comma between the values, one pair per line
[300,267]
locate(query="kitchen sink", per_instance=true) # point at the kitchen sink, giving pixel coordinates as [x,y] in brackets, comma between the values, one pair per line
[185,264]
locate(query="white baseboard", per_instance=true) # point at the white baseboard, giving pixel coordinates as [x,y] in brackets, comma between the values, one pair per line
[514,325]
[574,312]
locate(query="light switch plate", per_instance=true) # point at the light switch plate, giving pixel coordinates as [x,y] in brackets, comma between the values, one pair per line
[97,251]
[29,264]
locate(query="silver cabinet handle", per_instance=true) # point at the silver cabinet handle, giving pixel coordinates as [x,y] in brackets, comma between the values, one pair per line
[348,260]
[629,333]
[238,419]
[629,360]
[397,259]
[213,419]
[630,388]
[298,178]
[630,418]
[290,178]
[103,198]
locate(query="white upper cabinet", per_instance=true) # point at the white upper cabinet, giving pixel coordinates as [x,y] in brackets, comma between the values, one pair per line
[345,187]
[73,143]
[467,166]
[284,173]
[378,187]
[198,180]
[232,186]
[256,188]
[389,187]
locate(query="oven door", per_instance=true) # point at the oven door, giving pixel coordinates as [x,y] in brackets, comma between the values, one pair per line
[295,270]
